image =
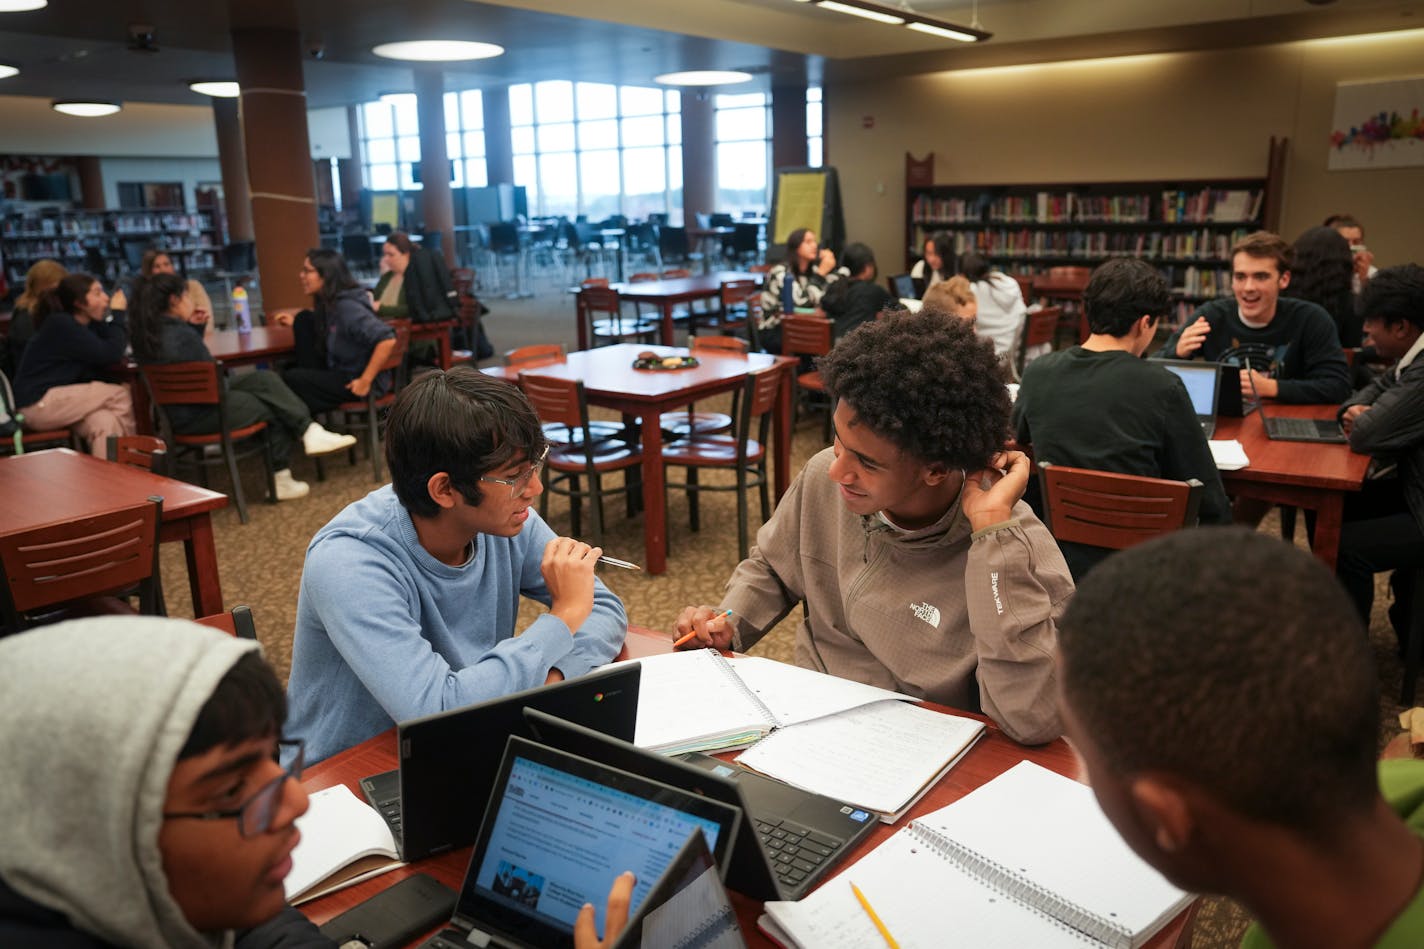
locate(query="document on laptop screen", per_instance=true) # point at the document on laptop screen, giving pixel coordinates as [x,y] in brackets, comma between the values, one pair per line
[1201,386]
[560,839]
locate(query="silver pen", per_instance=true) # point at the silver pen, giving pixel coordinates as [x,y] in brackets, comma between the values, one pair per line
[615,562]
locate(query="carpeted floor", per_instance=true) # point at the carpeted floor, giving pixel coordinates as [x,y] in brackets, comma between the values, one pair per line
[261,562]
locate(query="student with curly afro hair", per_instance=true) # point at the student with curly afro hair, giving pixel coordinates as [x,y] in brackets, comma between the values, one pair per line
[919,566]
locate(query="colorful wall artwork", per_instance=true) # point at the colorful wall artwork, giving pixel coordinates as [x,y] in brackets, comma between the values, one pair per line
[1378,125]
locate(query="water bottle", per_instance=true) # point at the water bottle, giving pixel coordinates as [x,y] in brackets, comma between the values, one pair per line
[241,316]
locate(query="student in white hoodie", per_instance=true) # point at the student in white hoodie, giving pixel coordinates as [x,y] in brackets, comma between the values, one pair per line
[1001,304]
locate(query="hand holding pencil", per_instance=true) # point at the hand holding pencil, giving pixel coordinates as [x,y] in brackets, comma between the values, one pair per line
[699,627]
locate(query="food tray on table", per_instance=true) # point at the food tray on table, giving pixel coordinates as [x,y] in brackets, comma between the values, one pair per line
[655,363]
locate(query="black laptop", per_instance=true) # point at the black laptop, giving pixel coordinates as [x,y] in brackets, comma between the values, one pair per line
[558,830]
[790,839]
[1202,382]
[1297,429]
[434,800]
[903,287]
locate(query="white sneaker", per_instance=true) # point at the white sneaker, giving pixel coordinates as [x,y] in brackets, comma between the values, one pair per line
[318,441]
[289,488]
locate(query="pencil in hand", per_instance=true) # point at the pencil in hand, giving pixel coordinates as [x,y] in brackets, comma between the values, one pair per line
[693,635]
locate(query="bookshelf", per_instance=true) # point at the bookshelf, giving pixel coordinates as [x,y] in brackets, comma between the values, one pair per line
[80,239]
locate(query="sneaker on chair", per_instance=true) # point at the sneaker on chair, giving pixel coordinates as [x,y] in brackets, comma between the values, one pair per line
[318,441]
[289,488]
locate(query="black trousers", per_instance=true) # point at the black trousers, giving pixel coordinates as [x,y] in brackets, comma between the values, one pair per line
[322,389]
[1380,534]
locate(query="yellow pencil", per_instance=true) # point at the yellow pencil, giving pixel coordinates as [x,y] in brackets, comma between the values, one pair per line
[870,911]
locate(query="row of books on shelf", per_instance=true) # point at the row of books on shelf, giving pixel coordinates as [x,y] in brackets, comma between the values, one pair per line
[77,225]
[1208,205]
[74,247]
[1153,245]
[1212,204]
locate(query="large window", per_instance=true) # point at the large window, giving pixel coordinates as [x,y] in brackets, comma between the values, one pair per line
[465,138]
[815,138]
[390,141]
[743,135]
[596,149]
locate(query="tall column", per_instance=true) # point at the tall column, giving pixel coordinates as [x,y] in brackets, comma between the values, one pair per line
[499,146]
[279,170]
[699,148]
[435,204]
[232,158]
[788,126]
[349,169]
[91,183]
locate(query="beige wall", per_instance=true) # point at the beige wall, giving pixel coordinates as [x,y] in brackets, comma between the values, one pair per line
[1171,115]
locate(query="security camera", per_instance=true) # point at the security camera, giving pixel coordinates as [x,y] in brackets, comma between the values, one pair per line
[316,49]
[142,38]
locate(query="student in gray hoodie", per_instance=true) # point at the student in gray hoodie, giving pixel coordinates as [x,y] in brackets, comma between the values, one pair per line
[146,807]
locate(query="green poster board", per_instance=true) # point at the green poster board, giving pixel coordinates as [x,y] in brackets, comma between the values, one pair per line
[807,197]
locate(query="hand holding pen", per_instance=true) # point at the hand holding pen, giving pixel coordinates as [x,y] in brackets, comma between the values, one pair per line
[699,627]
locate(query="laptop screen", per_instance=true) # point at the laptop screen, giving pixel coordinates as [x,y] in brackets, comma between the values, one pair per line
[1200,380]
[560,828]
[904,286]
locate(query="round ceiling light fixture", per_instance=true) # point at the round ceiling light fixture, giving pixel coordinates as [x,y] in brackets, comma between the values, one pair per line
[86,109]
[217,88]
[703,77]
[22,6]
[438,51]
[7,71]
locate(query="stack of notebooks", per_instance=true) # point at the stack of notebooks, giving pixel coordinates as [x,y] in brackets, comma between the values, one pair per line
[1028,859]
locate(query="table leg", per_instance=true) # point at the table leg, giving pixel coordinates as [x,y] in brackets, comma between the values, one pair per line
[669,332]
[447,356]
[582,322]
[781,431]
[654,494]
[1328,519]
[202,556]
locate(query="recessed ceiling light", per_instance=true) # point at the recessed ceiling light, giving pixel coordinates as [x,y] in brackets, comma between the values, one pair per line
[86,110]
[438,51]
[22,6]
[875,15]
[218,88]
[703,77]
[942,31]
[7,71]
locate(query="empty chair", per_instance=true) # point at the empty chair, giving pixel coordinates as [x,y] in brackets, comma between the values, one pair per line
[545,354]
[740,307]
[689,422]
[808,336]
[365,414]
[1040,326]
[140,451]
[600,314]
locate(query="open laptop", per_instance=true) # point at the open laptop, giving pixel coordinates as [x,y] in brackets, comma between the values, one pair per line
[1297,429]
[1201,380]
[434,800]
[902,286]
[557,831]
[790,838]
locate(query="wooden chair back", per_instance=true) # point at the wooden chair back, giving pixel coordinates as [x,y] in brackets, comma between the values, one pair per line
[762,393]
[805,335]
[759,268]
[556,400]
[1041,326]
[676,273]
[183,383]
[235,622]
[397,355]
[140,451]
[537,354]
[725,344]
[740,292]
[462,279]
[56,563]
[1025,287]
[600,299]
[594,282]
[644,277]
[1116,511]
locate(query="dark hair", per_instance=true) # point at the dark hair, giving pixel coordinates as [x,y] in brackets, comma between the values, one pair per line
[793,241]
[148,311]
[925,382]
[335,277]
[461,422]
[944,246]
[975,266]
[1395,294]
[64,297]
[149,258]
[401,241]
[854,258]
[1121,292]
[1270,703]
[1264,244]
[1338,221]
[248,703]
[1323,273]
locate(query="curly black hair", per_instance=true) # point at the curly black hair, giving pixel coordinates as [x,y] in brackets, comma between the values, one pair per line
[925,382]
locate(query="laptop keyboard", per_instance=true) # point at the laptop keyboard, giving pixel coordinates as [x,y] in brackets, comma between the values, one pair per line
[796,852]
[390,809]
[1301,428]
[446,939]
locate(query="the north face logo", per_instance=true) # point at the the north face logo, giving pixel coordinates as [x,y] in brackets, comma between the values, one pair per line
[926,612]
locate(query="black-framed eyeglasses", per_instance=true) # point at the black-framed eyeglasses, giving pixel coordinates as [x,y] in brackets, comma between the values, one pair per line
[517,485]
[254,815]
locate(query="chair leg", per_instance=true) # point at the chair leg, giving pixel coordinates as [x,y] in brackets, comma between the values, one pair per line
[765,488]
[1287,522]
[742,512]
[694,513]
[237,497]
[575,502]
[595,504]
[270,466]
[1413,647]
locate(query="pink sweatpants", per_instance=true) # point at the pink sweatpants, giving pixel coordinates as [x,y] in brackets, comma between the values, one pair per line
[95,410]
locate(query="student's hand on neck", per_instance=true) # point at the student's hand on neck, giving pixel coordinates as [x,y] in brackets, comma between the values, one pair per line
[991,493]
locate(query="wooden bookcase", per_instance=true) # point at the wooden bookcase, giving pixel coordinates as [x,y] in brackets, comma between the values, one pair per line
[115,239]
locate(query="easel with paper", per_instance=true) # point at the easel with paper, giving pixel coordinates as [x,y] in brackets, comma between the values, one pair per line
[807,197]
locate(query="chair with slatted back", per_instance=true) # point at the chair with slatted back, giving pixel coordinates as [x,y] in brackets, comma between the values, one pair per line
[140,451]
[689,422]
[744,451]
[204,383]
[365,415]
[602,320]
[1039,327]
[77,567]
[467,315]
[1092,513]
[563,402]
[739,307]
[808,336]
[546,354]
[235,622]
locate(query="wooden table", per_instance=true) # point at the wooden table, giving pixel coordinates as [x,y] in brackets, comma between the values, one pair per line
[1304,474]
[993,755]
[264,343]
[47,487]
[610,381]
[667,294]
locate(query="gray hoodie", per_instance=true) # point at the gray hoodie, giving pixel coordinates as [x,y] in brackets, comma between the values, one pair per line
[95,713]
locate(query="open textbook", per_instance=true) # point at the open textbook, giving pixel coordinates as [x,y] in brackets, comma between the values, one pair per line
[344,841]
[1028,859]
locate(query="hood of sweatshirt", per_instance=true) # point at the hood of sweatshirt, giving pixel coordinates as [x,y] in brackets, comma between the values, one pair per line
[96,711]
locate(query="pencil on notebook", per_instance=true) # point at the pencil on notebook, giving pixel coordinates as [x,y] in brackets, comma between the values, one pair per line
[693,635]
[874,918]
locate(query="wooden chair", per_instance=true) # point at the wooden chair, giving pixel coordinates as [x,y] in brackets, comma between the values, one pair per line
[1114,511]
[1039,327]
[808,336]
[140,451]
[690,422]
[35,441]
[742,451]
[546,354]
[79,565]
[740,306]
[365,414]
[613,326]
[235,622]
[204,383]
[467,315]
[563,402]
[759,268]
[1064,286]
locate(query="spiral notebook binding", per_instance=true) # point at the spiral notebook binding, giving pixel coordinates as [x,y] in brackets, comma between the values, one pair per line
[762,710]
[1066,915]
[709,930]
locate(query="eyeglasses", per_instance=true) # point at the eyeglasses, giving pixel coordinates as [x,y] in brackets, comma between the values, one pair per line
[254,815]
[519,484]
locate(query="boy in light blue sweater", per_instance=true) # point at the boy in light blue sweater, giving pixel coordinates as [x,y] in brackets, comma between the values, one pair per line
[409,596]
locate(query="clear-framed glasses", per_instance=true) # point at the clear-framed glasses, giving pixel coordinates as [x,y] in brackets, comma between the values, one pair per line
[254,815]
[518,485]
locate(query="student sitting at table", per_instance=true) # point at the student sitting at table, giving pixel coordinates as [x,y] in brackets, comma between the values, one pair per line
[937,264]
[148,806]
[409,596]
[1384,523]
[163,331]
[797,283]
[1233,746]
[919,568]
[75,341]
[1001,308]
[954,296]
[1290,348]
[415,285]
[1102,406]
[43,275]
[340,342]
[155,262]
[857,298]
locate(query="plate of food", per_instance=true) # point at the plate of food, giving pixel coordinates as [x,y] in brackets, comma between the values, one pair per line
[655,363]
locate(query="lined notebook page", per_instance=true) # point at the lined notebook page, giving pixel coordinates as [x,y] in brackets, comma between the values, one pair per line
[793,694]
[684,697]
[1049,829]
[697,915]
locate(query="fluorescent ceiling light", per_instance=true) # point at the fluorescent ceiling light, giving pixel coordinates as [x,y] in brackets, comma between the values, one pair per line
[703,77]
[948,34]
[7,71]
[438,51]
[218,88]
[22,6]
[875,15]
[85,110]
